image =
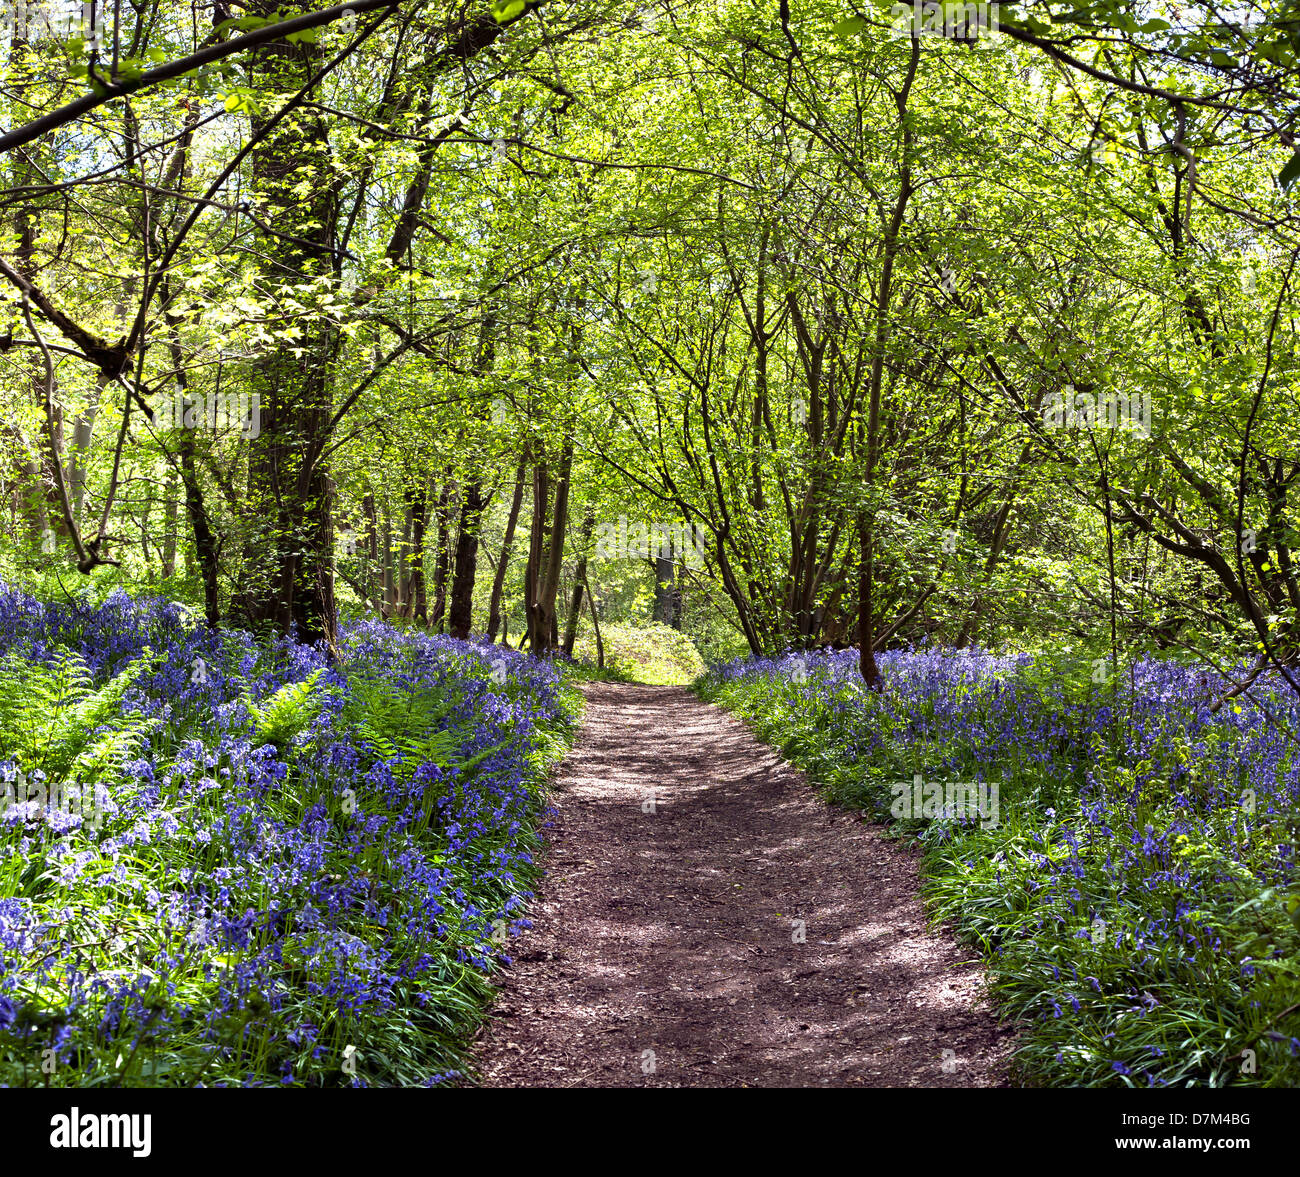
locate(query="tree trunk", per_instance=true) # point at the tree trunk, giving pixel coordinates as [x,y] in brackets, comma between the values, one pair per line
[461,619]
[373,585]
[543,632]
[205,541]
[418,500]
[571,626]
[866,612]
[295,190]
[402,567]
[668,595]
[443,557]
[83,432]
[389,580]
[595,623]
[498,581]
[25,229]
[534,572]
[866,519]
[579,577]
[170,526]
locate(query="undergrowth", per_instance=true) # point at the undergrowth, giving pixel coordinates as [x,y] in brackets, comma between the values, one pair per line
[1134,892]
[233,863]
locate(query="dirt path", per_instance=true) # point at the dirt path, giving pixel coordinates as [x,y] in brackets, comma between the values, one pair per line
[673,931]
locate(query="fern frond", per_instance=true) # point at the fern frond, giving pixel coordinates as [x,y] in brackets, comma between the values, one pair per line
[287,712]
[51,719]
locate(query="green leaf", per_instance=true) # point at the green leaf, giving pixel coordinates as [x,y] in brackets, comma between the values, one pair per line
[243,24]
[848,26]
[1287,176]
[504,10]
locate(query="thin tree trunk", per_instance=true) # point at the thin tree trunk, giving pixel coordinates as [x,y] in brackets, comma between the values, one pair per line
[402,567]
[534,572]
[374,586]
[389,580]
[26,263]
[205,546]
[866,519]
[571,625]
[579,576]
[419,508]
[205,542]
[83,432]
[442,558]
[595,623]
[668,593]
[495,620]
[169,526]
[866,613]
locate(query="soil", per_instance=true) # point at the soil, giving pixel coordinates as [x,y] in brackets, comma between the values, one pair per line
[665,951]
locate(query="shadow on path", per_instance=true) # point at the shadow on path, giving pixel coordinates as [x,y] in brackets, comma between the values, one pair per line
[673,931]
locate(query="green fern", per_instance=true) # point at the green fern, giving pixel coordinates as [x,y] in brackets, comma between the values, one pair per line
[400,724]
[286,713]
[51,719]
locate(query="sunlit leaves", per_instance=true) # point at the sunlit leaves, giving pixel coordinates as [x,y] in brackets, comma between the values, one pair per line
[504,11]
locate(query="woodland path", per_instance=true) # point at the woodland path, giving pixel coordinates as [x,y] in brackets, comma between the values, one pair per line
[673,931]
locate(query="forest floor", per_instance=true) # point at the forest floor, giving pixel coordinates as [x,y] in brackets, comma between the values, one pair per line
[665,952]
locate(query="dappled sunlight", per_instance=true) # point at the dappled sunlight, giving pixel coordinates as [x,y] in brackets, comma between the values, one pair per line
[682,856]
